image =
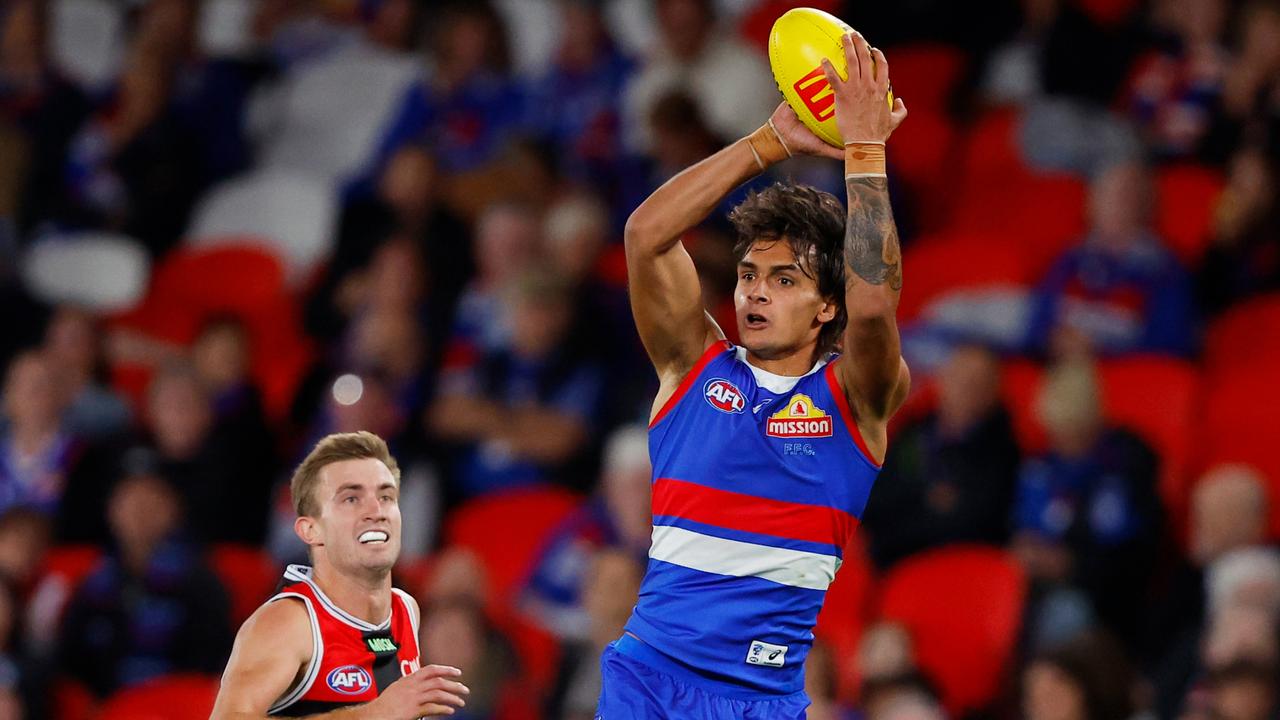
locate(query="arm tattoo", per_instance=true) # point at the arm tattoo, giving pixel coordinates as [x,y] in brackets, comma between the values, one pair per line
[871,237]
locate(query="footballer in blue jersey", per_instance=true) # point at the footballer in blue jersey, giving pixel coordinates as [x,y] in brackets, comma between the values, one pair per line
[763,454]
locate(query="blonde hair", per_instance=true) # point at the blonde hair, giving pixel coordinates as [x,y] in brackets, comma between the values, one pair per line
[332,449]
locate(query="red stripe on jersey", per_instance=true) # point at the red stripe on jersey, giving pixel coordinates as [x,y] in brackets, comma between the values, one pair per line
[707,356]
[748,513]
[846,413]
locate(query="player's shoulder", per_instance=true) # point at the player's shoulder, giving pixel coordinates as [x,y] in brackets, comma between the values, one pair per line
[282,619]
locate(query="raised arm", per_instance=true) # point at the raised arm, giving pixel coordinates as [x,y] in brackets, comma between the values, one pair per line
[666,297]
[873,373]
[274,646]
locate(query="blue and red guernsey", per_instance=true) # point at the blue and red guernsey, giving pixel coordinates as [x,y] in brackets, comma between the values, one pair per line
[352,661]
[759,481]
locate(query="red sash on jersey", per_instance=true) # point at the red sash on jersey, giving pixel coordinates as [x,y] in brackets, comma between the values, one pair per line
[352,661]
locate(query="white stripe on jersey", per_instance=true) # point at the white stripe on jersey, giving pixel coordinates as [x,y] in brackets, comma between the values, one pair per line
[696,551]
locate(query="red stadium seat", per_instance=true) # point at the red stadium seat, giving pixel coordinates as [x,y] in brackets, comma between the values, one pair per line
[1159,399]
[506,530]
[1242,412]
[845,614]
[1245,336]
[756,25]
[229,278]
[963,608]
[991,152]
[1186,196]
[922,147]
[1040,215]
[72,701]
[248,574]
[193,284]
[947,264]
[71,563]
[174,697]
[1109,12]
[925,75]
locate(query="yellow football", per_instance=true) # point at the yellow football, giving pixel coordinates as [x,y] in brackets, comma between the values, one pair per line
[798,42]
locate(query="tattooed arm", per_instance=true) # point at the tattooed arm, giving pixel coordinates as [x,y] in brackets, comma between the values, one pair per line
[876,376]
[872,372]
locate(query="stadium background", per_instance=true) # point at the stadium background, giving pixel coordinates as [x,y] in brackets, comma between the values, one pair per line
[229,227]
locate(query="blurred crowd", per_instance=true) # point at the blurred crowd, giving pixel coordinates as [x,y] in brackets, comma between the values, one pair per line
[230,227]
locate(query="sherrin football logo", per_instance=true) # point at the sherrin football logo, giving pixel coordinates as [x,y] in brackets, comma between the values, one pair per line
[724,396]
[349,680]
[799,419]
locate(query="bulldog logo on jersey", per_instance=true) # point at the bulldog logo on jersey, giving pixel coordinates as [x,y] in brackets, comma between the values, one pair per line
[349,680]
[799,419]
[724,396]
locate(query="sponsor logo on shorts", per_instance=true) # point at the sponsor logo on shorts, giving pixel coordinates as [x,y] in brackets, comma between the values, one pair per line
[799,419]
[724,396]
[766,654]
[349,680]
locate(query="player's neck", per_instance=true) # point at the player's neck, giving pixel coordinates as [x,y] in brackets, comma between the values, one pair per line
[794,364]
[364,596]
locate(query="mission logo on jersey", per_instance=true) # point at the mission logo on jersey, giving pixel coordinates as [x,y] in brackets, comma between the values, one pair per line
[799,419]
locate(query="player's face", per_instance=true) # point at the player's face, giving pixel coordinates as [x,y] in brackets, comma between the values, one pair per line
[359,523]
[778,306]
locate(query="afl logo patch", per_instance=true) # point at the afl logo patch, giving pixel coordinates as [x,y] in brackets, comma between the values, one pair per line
[724,396]
[349,680]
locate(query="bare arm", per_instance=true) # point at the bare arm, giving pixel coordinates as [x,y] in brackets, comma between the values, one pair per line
[666,297]
[874,376]
[270,652]
[274,646]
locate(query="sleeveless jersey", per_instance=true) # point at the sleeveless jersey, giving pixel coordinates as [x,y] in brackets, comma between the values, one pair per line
[352,661]
[758,484]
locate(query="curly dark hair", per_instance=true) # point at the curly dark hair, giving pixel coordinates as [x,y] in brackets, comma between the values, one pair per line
[812,222]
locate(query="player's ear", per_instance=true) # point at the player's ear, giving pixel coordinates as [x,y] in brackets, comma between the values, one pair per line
[308,530]
[828,311]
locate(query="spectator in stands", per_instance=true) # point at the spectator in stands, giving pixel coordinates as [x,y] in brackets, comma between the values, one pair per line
[1244,257]
[129,167]
[406,208]
[1240,652]
[456,632]
[1087,678]
[523,413]
[204,463]
[73,346]
[1175,89]
[617,517]
[1251,112]
[1229,512]
[24,540]
[151,607]
[1120,290]
[575,103]
[36,453]
[12,671]
[507,237]
[576,232]
[1088,522]
[729,79]
[470,107]
[221,358]
[950,476]
[456,574]
[612,584]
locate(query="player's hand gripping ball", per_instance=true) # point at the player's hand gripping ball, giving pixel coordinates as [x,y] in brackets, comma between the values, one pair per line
[800,39]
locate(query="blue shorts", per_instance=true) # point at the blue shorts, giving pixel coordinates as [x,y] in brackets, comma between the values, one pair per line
[635,690]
